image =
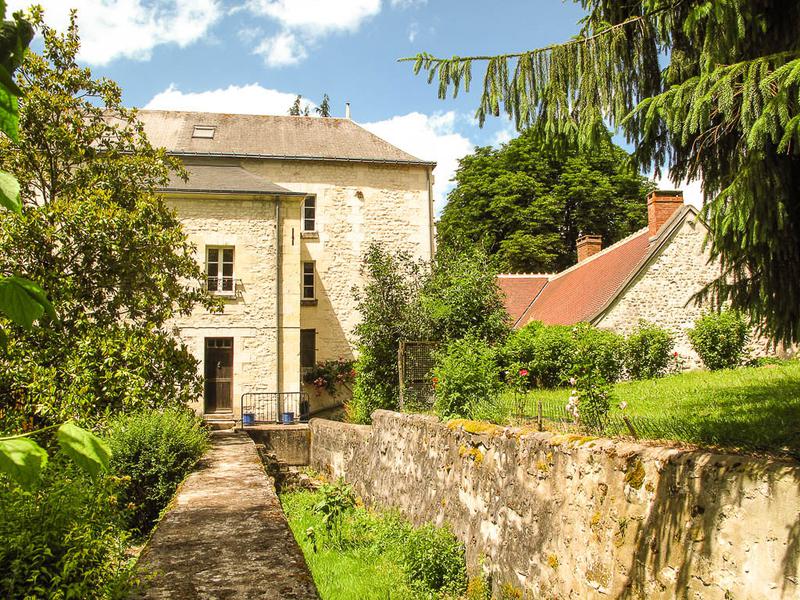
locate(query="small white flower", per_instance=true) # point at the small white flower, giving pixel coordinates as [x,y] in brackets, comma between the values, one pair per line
[572,381]
[623,405]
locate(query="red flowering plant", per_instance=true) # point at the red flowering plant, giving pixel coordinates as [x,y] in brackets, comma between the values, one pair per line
[328,375]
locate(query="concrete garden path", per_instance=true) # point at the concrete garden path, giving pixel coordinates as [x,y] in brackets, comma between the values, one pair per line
[226,535]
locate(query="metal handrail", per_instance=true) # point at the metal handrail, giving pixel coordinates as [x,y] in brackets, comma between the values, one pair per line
[267,407]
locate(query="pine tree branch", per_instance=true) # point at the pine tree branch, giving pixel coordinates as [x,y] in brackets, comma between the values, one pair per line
[544,49]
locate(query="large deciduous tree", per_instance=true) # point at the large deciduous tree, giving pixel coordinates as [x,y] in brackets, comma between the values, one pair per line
[724,107]
[108,250]
[529,206]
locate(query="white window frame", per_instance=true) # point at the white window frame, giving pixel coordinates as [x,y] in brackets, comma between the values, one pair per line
[304,285]
[313,218]
[215,284]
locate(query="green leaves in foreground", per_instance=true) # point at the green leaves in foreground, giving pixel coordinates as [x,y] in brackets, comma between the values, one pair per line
[23,460]
[9,192]
[23,301]
[88,451]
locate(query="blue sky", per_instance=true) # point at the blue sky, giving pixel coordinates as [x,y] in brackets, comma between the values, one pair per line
[253,56]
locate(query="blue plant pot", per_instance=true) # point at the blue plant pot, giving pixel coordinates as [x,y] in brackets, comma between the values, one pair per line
[287,418]
[248,419]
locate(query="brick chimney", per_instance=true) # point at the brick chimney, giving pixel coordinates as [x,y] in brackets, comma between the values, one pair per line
[588,245]
[661,205]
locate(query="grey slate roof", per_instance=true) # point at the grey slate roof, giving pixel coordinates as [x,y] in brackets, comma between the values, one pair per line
[270,137]
[222,179]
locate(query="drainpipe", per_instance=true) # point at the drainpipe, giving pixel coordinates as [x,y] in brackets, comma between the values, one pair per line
[278,281]
[431,237]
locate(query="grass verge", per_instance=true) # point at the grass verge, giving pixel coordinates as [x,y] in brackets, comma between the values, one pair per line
[750,408]
[374,556]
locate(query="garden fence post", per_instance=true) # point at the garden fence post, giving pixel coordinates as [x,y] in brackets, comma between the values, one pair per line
[539,415]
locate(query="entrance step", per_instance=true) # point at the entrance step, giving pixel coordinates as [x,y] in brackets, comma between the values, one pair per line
[217,422]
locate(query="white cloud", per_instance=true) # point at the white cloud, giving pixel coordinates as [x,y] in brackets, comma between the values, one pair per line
[304,22]
[413,31]
[281,50]
[504,135]
[317,16]
[249,99]
[408,3]
[112,29]
[429,137]
[692,190]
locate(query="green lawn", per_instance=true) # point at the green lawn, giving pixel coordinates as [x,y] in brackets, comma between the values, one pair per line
[358,570]
[752,408]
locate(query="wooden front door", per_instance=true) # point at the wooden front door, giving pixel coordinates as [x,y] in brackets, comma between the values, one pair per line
[219,375]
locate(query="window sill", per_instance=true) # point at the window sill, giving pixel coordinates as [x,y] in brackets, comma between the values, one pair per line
[308,302]
[309,235]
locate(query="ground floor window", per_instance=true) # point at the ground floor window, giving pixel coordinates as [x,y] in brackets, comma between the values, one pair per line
[308,348]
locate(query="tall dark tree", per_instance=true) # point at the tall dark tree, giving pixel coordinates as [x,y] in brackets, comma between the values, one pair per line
[529,206]
[725,108]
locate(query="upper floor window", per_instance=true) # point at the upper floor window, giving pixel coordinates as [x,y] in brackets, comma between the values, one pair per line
[309,291]
[310,214]
[219,270]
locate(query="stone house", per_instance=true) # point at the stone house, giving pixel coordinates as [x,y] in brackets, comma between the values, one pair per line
[281,210]
[652,274]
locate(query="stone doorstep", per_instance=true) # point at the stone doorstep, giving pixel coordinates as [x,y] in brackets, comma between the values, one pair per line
[220,420]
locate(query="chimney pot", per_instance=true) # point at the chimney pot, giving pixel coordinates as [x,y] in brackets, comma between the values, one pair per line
[588,245]
[661,205]
[346,110]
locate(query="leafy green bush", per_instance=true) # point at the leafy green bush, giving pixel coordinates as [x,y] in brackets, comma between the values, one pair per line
[92,373]
[375,386]
[336,501]
[719,339]
[599,349]
[433,559]
[153,451]
[648,349]
[551,350]
[64,539]
[466,374]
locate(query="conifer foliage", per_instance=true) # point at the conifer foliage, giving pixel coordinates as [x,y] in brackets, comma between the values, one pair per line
[726,109]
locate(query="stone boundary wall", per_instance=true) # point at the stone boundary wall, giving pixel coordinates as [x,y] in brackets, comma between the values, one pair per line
[557,516]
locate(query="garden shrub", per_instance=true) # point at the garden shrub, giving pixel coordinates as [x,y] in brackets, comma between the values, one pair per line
[551,351]
[153,451]
[719,339]
[64,539]
[599,349]
[648,349]
[466,374]
[375,387]
[434,561]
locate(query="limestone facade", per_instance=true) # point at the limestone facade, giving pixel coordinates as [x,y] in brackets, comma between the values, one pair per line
[355,204]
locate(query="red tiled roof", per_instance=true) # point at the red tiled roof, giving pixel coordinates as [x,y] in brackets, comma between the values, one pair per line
[518,291]
[581,291]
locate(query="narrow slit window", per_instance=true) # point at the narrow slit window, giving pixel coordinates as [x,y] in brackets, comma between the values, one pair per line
[219,270]
[310,214]
[309,293]
[308,348]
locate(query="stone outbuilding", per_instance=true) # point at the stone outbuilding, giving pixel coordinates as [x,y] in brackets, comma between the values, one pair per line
[651,275]
[281,210]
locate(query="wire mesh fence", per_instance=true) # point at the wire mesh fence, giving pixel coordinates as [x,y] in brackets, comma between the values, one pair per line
[711,426]
[415,361]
